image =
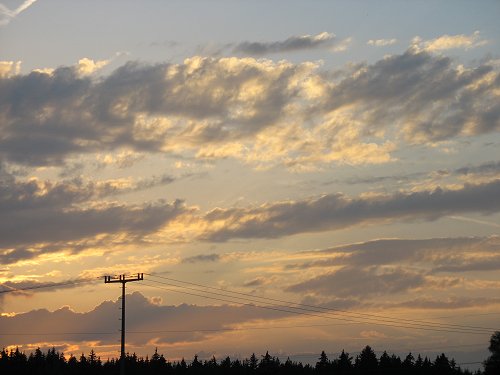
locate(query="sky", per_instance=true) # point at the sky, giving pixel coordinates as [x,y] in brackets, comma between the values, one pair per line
[342,156]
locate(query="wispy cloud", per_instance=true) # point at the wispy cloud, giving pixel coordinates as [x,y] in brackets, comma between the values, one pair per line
[337,211]
[446,42]
[381,42]
[9,68]
[291,44]
[7,15]
[202,258]
[350,282]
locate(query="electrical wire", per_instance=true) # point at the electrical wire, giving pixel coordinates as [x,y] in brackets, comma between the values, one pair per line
[321,314]
[43,286]
[335,311]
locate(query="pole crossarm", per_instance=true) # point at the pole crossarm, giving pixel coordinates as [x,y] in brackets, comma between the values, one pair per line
[123,279]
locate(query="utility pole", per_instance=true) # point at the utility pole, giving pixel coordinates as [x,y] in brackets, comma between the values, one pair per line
[123,279]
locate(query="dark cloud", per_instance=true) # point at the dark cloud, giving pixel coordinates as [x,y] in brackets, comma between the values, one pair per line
[53,224]
[321,263]
[394,251]
[469,264]
[166,324]
[486,168]
[443,254]
[27,287]
[380,179]
[202,258]
[258,281]
[452,303]
[54,213]
[433,98]
[291,44]
[336,211]
[358,282]
[489,168]
[20,253]
[45,118]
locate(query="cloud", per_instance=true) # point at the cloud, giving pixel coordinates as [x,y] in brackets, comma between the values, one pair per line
[260,112]
[485,168]
[27,287]
[163,108]
[451,303]
[469,265]
[202,258]
[446,42]
[291,44]
[84,66]
[350,282]
[258,281]
[396,93]
[337,211]
[38,217]
[122,160]
[434,254]
[488,169]
[7,15]
[9,68]
[88,66]
[381,42]
[389,266]
[165,324]
[16,287]
[342,45]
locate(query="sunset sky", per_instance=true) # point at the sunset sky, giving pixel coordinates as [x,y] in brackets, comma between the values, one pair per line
[343,155]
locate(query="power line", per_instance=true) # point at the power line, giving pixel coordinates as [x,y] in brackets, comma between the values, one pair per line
[332,310]
[325,310]
[320,314]
[43,286]
[311,310]
[174,330]
[434,325]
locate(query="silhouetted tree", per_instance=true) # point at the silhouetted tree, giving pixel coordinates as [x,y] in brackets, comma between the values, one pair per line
[492,364]
[366,361]
[251,363]
[442,365]
[237,367]
[181,367]
[384,363]
[343,365]
[268,364]
[323,364]
[426,366]
[54,363]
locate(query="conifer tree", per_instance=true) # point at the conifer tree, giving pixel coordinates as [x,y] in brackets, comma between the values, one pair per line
[492,364]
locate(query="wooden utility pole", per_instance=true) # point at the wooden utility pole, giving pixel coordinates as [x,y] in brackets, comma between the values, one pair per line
[123,279]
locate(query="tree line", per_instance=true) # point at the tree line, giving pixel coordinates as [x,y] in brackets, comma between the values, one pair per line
[366,362]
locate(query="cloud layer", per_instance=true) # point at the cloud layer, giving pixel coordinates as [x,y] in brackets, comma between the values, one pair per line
[415,271]
[160,325]
[337,211]
[291,44]
[257,111]
[41,217]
